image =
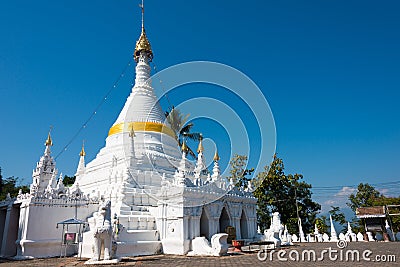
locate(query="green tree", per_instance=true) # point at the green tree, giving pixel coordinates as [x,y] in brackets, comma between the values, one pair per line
[384,201]
[338,216]
[238,171]
[357,225]
[10,185]
[321,224]
[181,128]
[69,180]
[287,194]
[368,196]
[365,196]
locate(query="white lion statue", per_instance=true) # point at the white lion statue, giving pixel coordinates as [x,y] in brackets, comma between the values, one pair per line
[103,232]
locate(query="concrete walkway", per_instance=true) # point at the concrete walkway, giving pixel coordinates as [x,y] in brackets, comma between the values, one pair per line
[326,254]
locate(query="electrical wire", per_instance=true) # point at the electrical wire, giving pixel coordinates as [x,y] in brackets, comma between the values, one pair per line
[115,85]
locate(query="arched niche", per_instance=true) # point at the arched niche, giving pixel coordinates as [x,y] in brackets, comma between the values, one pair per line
[244,228]
[224,220]
[204,225]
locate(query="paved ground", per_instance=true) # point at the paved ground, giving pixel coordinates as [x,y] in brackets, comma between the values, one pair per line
[389,252]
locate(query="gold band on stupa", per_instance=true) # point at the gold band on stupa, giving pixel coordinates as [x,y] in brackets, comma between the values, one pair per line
[141,127]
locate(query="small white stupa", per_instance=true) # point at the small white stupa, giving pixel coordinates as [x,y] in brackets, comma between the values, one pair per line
[334,237]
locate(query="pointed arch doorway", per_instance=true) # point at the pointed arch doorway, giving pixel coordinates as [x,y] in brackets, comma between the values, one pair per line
[204,225]
[224,220]
[244,229]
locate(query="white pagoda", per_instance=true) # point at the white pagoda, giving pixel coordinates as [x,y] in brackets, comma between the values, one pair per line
[161,199]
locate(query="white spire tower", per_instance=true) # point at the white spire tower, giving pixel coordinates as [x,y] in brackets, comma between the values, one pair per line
[180,175]
[200,164]
[334,237]
[45,168]
[301,233]
[216,171]
[81,165]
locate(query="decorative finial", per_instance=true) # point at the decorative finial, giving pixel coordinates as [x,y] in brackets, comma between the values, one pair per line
[184,147]
[200,148]
[49,142]
[131,131]
[142,7]
[83,153]
[216,156]
[143,43]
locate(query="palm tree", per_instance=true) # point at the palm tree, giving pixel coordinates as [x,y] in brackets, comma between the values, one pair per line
[178,124]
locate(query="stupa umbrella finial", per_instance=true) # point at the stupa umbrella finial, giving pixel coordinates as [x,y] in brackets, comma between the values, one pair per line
[216,170]
[200,148]
[82,153]
[184,148]
[49,141]
[81,165]
[334,237]
[216,156]
[143,44]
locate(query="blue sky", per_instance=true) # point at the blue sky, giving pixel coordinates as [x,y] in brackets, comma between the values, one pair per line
[329,70]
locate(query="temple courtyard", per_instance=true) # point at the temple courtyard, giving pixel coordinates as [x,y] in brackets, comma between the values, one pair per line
[388,255]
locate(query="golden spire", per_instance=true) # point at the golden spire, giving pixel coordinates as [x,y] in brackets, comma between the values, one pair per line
[216,156]
[82,153]
[200,148]
[143,43]
[184,147]
[49,142]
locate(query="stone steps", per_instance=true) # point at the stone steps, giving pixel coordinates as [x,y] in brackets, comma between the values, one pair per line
[127,210]
[144,235]
[138,222]
[133,213]
[140,196]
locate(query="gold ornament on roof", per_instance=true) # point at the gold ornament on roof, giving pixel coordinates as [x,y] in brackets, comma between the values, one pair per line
[143,44]
[216,156]
[82,153]
[200,148]
[184,147]
[48,142]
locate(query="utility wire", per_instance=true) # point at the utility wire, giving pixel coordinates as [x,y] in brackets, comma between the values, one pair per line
[162,87]
[115,84]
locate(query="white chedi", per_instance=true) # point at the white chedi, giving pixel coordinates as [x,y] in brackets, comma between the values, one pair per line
[301,232]
[310,238]
[334,237]
[286,238]
[325,237]
[200,164]
[295,239]
[318,236]
[350,236]
[342,237]
[370,237]
[360,237]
